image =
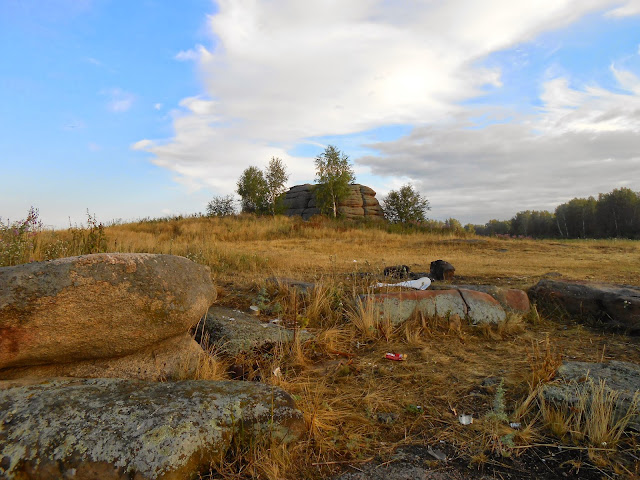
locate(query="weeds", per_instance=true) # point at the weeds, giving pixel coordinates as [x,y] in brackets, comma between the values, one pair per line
[590,415]
[544,363]
[369,323]
[19,240]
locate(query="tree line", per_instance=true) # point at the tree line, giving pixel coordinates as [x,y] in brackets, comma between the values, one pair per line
[614,214]
[262,192]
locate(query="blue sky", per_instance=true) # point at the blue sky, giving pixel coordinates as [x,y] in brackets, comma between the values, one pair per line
[149,108]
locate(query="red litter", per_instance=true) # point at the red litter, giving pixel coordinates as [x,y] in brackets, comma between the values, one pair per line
[398,357]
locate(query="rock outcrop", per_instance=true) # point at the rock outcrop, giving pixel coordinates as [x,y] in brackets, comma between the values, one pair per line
[122,429]
[575,379]
[477,307]
[233,332]
[612,306]
[360,203]
[77,313]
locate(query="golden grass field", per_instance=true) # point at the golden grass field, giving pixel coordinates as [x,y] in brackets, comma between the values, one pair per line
[341,380]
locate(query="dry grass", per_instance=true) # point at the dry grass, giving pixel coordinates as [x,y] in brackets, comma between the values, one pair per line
[245,249]
[341,380]
[590,419]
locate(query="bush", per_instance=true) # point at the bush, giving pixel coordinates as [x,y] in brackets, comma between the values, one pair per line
[221,206]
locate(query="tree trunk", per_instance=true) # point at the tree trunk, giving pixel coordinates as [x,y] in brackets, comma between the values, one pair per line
[559,229]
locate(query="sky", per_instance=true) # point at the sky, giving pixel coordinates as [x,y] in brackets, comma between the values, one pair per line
[151,108]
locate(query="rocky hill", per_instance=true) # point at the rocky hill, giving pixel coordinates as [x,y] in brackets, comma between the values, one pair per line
[361,202]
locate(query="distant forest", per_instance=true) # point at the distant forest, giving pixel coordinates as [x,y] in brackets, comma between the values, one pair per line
[615,214]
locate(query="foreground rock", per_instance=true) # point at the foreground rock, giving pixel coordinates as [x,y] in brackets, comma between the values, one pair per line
[122,429]
[574,378]
[478,307]
[97,306]
[233,332]
[613,306]
[361,202]
[171,359]
[511,299]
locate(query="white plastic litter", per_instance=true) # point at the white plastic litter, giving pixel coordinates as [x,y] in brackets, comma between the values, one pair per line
[419,284]
[465,419]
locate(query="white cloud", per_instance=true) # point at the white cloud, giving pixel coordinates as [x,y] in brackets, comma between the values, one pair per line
[627,9]
[285,71]
[191,54]
[119,100]
[582,142]
[158,106]
[141,144]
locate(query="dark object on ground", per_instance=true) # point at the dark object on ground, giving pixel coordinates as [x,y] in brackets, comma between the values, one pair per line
[397,271]
[574,377]
[441,270]
[116,429]
[419,275]
[616,307]
[360,203]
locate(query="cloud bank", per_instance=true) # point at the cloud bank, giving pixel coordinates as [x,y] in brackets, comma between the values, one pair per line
[284,72]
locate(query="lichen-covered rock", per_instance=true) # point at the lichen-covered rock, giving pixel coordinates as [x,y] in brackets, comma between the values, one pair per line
[233,332]
[573,378]
[612,306]
[123,429]
[477,307]
[97,306]
[173,358]
[360,202]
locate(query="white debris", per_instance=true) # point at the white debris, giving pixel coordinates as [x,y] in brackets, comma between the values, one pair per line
[419,284]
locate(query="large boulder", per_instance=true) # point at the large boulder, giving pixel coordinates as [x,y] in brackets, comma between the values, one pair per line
[613,306]
[477,307]
[360,202]
[174,358]
[574,379]
[122,429]
[97,306]
[233,332]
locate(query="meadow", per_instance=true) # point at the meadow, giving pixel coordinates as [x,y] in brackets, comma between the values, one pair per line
[359,406]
